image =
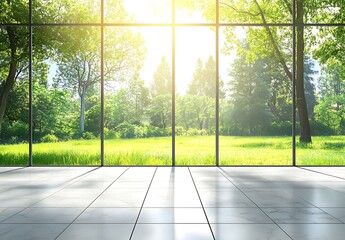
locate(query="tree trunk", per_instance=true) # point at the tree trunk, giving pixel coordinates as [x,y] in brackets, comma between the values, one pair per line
[305,134]
[82,112]
[11,75]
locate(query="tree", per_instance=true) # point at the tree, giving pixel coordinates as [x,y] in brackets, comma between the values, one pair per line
[79,61]
[270,41]
[250,93]
[160,111]
[330,110]
[204,79]
[79,64]
[14,48]
[195,111]
[162,83]
[309,82]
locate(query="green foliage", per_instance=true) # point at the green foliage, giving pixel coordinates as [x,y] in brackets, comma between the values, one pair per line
[15,132]
[160,111]
[88,135]
[109,134]
[162,83]
[126,130]
[49,138]
[250,86]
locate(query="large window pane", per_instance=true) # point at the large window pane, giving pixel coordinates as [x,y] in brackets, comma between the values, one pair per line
[14,11]
[138,11]
[258,11]
[318,11]
[195,96]
[66,96]
[324,84]
[14,93]
[76,11]
[255,96]
[138,101]
[190,11]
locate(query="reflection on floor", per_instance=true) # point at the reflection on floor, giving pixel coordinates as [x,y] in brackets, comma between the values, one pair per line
[167,203]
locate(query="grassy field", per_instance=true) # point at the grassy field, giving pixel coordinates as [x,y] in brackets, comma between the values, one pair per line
[189,151]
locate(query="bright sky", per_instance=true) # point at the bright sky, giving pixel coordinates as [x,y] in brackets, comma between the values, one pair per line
[191,42]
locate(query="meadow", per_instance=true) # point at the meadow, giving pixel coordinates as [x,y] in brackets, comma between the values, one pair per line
[190,150]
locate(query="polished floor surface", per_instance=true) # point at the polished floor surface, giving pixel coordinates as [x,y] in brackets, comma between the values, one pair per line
[164,203]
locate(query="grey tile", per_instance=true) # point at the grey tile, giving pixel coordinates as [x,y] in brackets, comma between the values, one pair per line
[299,215]
[172,215]
[339,213]
[109,215]
[277,198]
[130,185]
[248,232]
[172,232]
[60,201]
[18,202]
[120,198]
[8,212]
[323,197]
[236,215]
[224,198]
[215,185]
[30,231]
[315,231]
[172,198]
[45,215]
[97,231]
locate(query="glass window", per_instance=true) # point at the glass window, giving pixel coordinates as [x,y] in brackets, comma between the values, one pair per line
[190,11]
[76,11]
[138,11]
[324,11]
[324,93]
[195,96]
[14,95]
[255,96]
[66,96]
[258,11]
[14,11]
[138,96]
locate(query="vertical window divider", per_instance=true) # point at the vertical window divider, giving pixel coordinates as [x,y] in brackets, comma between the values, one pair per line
[30,163]
[102,84]
[173,110]
[294,83]
[217,83]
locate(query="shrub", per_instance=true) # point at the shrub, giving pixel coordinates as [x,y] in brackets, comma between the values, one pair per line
[49,138]
[88,135]
[179,131]
[152,131]
[109,134]
[126,130]
[140,131]
[196,132]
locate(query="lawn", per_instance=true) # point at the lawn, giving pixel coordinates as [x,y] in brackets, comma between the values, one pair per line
[190,150]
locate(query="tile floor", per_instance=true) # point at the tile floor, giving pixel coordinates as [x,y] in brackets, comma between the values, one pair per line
[164,203]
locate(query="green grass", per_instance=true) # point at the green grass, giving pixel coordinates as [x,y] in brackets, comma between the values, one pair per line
[189,151]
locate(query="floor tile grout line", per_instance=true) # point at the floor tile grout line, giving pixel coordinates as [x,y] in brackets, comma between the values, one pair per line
[326,174]
[142,205]
[31,205]
[202,205]
[221,172]
[13,170]
[160,223]
[91,203]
